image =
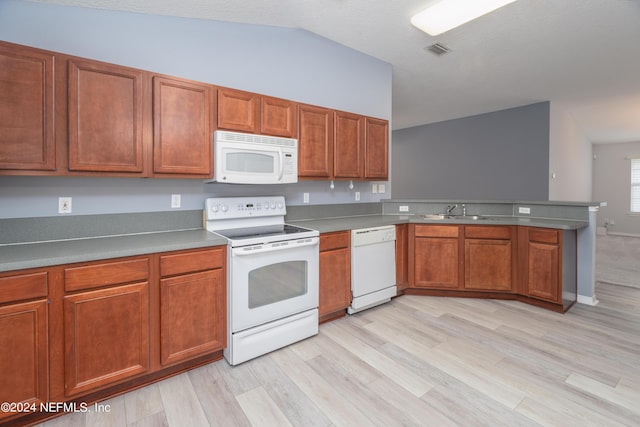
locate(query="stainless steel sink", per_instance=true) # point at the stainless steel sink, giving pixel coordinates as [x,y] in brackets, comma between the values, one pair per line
[458,217]
[436,216]
[469,217]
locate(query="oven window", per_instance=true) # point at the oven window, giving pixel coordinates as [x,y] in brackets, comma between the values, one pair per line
[277,282]
[250,162]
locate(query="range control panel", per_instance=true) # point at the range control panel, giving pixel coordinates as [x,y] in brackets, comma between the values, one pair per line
[244,207]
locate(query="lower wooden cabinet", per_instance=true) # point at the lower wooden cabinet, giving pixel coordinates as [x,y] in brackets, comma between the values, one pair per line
[106,336]
[24,344]
[436,257]
[402,257]
[335,274]
[489,258]
[193,305]
[547,264]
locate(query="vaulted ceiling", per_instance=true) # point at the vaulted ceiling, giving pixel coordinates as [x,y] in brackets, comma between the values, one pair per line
[582,55]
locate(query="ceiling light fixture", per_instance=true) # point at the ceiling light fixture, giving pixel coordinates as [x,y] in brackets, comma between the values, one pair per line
[447,14]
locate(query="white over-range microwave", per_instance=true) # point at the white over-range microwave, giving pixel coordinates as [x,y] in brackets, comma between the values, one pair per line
[242,158]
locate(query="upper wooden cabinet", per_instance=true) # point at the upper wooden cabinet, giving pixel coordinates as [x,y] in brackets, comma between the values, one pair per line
[27,140]
[376,156]
[278,117]
[315,142]
[182,118]
[349,145]
[250,112]
[105,109]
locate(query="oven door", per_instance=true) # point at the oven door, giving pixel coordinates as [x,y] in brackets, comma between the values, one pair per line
[269,282]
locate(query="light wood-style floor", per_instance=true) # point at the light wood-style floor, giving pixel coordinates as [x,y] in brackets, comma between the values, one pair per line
[422,361]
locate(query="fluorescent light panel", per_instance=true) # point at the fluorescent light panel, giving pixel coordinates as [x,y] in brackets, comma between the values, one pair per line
[447,14]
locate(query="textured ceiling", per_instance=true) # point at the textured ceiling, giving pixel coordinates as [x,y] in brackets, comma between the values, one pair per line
[582,55]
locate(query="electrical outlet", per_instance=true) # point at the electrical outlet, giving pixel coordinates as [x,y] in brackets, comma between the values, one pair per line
[382,188]
[374,188]
[404,208]
[305,197]
[175,201]
[64,205]
[357,196]
[524,210]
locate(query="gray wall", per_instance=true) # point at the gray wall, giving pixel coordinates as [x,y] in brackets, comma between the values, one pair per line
[503,155]
[282,62]
[612,184]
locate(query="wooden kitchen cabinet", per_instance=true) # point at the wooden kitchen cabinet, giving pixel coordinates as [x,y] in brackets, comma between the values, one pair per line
[437,257]
[541,263]
[24,363]
[106,324]
[376,156]
[335,274]
[106,105]
[402,257]
[193,304]
[348,145]
[253,113]
[489,258]
[27,140]
[182,127]
[315,142]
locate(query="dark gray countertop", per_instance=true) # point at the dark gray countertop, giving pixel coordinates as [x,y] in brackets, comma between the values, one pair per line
[43,254]
[327,225]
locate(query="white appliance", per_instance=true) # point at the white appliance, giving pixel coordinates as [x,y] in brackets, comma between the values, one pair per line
[242,158]
[272,275]
[373,267]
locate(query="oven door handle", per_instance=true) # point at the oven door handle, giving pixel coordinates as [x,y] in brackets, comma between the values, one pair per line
[260,249]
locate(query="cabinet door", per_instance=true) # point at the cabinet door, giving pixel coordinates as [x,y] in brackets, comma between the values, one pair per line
[335,272]
[543,265]
[315,142]
[488,264]
[376,157]
[349,145]
[106,336]
[182,140]
[238,110]
[278,117]
[192,315]
[436,263]
[105,118]
[24,359]
[27,139]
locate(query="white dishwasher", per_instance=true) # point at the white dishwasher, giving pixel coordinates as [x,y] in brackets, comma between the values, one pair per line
[373,267]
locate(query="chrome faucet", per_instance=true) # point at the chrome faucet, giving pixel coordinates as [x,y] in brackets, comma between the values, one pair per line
[450,208]
[464,210]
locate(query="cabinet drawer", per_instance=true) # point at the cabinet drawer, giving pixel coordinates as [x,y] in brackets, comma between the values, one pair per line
[103,274]
[188,262]
[543,236]
[22,287]
[337,240]
[487,232]
[437,231]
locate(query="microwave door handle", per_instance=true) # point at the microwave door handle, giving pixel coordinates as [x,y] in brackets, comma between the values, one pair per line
[281,154]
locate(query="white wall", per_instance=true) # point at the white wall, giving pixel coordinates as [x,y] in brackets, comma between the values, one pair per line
[282,62]
[612,184]
[570,159]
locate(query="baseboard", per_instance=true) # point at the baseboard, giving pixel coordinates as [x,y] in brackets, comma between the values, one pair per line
[583,299]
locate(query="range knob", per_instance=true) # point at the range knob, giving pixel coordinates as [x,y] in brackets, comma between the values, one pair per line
[273,205]
[224,208]
[214,208]
[280,205]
